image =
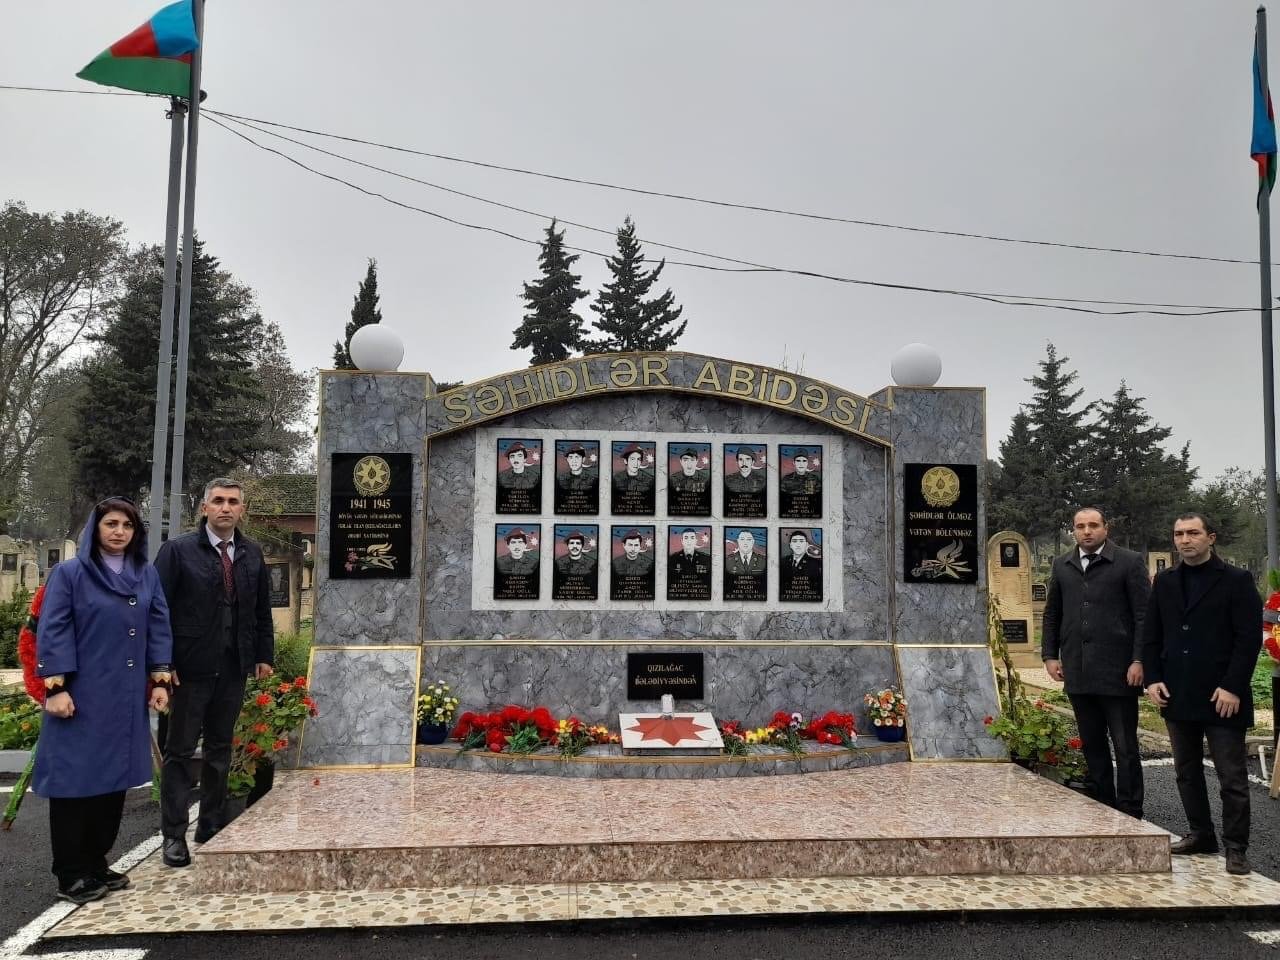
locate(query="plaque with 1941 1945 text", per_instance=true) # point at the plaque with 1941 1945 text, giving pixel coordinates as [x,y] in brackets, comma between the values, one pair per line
[370,511]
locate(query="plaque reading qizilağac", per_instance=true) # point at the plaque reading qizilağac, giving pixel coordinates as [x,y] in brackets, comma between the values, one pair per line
[370,506]
[940,528]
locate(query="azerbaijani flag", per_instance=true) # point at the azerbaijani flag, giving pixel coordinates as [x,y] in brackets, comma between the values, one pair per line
[1263,148]
[155,58]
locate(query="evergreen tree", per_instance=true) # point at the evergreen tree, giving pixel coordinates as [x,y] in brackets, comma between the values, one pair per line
[1054,479]
[112,446]
[1217,502]
[626,317]
[364,311]
[1131,476]
[550,326]
[1011,506]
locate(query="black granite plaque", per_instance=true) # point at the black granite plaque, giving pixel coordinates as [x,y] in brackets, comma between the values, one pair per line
[278,583]
[745,564]
[650,675]
[800,565]
[370,510]
[746,484]
[940,528]
[800,483]
[1015,631]
[516,561]
[1039,592]
[1010,553]
[519,486]
[576,572]
[578,477]
[55,557]
[632,568]
[688,563]
[9,562]
[634,467]
[689,480]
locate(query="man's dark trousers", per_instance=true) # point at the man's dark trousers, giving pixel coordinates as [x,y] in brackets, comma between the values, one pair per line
[1097,716]
[1230,760]
[200,704]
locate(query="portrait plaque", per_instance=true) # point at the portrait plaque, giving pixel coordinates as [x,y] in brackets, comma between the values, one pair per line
[940,532]
[800,565]
[370,506]
[745,481]
[278,584]
[515,561]
[632,574]
[745,563]
[689,479]
[800,482]
[575,573]
[1010,554]
[634,467]
[55,557]
[688,563]
[578,477]
[519,476]
[650,675]
[9,563]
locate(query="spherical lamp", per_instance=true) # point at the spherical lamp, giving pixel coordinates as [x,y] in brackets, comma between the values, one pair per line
[376,347]
[916,365]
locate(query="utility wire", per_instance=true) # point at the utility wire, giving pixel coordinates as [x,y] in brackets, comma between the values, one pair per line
[1054,303]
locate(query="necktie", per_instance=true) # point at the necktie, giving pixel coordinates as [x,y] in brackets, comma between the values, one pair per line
[228,581]
[1089,558]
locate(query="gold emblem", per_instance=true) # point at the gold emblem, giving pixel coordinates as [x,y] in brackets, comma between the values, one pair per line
[372,476]
[940,486]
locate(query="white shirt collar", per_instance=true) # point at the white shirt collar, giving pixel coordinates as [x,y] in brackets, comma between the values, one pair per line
[215,540]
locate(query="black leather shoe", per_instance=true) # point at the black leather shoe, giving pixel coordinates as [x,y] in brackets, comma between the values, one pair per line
[176,853]
[1194,844]
[85,890]
[1238,863]
[205,834]
[113,880]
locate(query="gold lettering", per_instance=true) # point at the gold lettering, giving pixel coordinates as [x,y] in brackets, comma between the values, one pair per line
[558,387]
[866,415]
[489,399]
[764,381]
[459,409]
[846,409]
[741,380]
[814,399]
[655,371]
[775,394]
[589,385]
[709,376]
[529,389]
[623,372]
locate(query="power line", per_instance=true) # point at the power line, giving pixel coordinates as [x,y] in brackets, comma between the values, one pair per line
[1055,303]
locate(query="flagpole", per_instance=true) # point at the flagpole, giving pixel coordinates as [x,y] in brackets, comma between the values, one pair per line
[164,362]
[184,310]
[1268,356]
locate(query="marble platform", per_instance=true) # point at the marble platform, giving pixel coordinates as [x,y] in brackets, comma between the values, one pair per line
[430,828]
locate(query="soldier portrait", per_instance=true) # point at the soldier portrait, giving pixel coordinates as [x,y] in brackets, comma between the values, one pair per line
[515,564]
[1010,555]
[632,573]
[745,483]
[634,467]
[745,563]
[688,563]
[574,574]
[689,479]
[519,476]
[578,477]
[800,482]
[800,565]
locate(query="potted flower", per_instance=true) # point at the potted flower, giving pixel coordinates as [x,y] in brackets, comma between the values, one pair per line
[273,709]
[887,711]
[1040,739]
[436,710]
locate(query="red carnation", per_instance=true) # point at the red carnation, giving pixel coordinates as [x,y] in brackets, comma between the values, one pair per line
[252,749]
[495,740]
[1075,743]
[542,719]
[300,682]
[263,699]
[259,728]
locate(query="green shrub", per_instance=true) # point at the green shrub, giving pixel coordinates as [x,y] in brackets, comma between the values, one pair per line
[19,722]
[292,650]
[1261,681]
[13,615]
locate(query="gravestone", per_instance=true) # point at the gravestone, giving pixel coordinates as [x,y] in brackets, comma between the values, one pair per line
[1009,574]
[1158,562]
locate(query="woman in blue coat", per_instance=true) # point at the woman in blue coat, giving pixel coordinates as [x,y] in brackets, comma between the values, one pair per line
[103,632]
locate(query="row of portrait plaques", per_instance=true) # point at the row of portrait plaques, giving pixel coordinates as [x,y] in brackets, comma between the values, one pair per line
[576,562]
[632,469]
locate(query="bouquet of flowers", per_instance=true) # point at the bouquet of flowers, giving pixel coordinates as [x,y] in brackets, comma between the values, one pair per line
[272,710]
[512,729]
[436,707]
[1271,619]
[572,736]
[831,728]
[888,708]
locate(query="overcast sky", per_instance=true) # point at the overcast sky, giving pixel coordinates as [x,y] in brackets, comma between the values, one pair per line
[1094,122]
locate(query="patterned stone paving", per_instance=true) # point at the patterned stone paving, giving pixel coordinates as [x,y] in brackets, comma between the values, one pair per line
[147,907]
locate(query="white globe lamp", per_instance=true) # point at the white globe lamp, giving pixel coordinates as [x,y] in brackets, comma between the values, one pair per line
[376,347]
[915,365]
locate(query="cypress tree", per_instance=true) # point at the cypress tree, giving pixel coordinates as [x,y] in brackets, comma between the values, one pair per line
[1054,480]
[1011,492]
[364,311]
[626,317]
[550,326]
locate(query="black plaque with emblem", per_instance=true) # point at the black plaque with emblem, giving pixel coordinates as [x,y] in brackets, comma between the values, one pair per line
[575,573]
[746,484]
[800,565]
[940,528]
[519,475]
[516,568]
[688,563]
[370,511]
[745,564]
[800,482]
[689,480]
[634,470]
[631,573]
[577,477]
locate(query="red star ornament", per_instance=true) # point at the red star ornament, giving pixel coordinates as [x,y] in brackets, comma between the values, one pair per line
[667,729]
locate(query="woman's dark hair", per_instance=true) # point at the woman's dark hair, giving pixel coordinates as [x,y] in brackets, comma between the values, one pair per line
[135,549]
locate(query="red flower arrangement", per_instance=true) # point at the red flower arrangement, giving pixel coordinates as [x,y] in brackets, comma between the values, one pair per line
[512,729]
[1270,624]
[832,728]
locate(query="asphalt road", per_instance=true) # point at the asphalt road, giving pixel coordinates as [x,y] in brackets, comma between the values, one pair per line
[26,889]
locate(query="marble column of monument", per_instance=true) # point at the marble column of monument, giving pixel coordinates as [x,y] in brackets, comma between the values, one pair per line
[940,629]
[368,632]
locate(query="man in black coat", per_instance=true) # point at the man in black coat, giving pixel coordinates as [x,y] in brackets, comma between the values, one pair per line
[219,597]
[1203,634]
[1091,640]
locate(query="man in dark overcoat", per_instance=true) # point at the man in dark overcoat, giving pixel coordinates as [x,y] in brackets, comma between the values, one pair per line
[1091,640]
[1203,634]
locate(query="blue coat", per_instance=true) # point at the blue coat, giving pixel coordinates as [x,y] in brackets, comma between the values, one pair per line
[104,631]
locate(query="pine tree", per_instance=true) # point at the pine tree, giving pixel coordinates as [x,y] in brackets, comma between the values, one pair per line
[626,318]
[1011,492]
[550,326]
[364,311]
[112,447]
[1054,481]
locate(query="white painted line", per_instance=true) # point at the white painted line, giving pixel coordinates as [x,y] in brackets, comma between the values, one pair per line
[1269,937]
[1168,762]
[9,788]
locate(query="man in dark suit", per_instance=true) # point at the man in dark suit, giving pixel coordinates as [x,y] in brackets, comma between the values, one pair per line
[219,597]
[1203,634]
[1091,640]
